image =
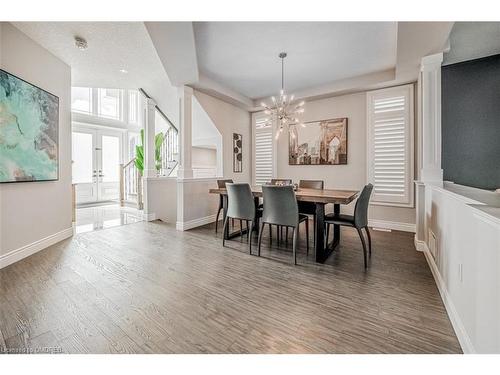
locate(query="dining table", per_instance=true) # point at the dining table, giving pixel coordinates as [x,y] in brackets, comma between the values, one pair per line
[320,197]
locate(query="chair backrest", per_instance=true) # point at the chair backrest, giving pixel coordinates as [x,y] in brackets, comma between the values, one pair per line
[281,181]
[312,184]
[240,202]
[361,208]
[280,205]
[221,184]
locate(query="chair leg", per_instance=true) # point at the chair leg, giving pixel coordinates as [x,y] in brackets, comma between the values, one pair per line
[270,235]
[327,233]
[217,218]
[295,239]
[249,238]
[369,240]
[307,235]
[314,231]
[248,230]
[360,232]
[226,222]
[286,236]
[261,229]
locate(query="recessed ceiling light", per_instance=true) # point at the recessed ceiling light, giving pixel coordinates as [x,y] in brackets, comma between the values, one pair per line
[81,43]
[124,71]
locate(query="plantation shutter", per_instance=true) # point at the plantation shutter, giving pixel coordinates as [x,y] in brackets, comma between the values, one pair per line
[263,150]
[390,145]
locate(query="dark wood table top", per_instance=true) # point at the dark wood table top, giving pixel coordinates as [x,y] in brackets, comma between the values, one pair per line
[309,195]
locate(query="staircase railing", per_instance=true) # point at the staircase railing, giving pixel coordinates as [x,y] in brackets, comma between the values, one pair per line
[131,185]
[169,152]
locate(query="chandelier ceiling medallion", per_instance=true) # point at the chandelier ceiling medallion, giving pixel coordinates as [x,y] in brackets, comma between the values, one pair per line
[283,112]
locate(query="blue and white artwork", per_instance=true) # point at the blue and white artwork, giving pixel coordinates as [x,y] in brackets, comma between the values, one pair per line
[29,124]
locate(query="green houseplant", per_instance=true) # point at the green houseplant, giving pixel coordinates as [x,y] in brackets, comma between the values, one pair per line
[139,152]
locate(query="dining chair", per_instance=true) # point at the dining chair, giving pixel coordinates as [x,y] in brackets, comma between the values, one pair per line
[280,208]
[221,184]
[281,181]
[358,221]
[309,208]
[279,230]
[241,206]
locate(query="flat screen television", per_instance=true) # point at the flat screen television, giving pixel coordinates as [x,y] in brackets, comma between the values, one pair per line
[29,127]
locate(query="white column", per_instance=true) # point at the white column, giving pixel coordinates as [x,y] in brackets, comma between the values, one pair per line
[430,132]
[149,157]
[149,139]
[429,140]
[185,129]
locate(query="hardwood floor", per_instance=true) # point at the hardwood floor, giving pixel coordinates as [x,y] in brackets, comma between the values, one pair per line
[147,288]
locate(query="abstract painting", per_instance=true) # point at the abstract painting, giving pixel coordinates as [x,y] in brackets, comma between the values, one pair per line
[29,125]
[237,153]
[318,143]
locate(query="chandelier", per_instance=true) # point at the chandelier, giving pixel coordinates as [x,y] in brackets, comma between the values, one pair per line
[283,112]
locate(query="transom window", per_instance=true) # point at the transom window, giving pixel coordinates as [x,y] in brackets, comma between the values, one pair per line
[109,103]
[81,99]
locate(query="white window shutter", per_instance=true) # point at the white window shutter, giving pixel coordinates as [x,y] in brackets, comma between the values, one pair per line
[390,145]
[263,150]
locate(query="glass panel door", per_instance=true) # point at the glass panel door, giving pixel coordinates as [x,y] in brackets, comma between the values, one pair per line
[96,158]
[110,158]
[84,165]
[109,163]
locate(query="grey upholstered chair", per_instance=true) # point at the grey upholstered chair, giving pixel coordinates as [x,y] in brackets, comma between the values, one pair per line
[309,208]
[280,208]
[240,206]
[221,184]
[279,230]
[358,221]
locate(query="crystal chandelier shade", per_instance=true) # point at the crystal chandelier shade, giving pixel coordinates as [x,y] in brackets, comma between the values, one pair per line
[284,113]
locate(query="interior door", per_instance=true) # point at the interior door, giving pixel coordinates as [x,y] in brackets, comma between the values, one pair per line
[84,143]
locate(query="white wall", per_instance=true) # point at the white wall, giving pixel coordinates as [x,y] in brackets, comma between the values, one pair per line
[465,259]
[229,119]
[205,133]
[204,157]
[354,174]
[36,214]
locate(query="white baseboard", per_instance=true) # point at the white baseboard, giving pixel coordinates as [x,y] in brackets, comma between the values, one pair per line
[393,225]
[456,322]
[149,217]
[25,251]
[420,245]
[186,225]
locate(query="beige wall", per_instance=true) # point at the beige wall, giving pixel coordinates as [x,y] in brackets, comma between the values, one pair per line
[34,211]
[229,119]
[204,157]
[350,176]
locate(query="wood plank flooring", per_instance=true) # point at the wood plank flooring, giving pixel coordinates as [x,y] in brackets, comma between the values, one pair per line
[147,288]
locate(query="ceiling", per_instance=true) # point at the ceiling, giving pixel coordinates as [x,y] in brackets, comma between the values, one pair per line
[244,55]
[472,40]
[111,46]
[238,61]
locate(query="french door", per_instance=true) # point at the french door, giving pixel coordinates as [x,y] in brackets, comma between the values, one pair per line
[96,164]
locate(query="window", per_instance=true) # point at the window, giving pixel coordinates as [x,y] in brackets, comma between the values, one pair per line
[133,106]
[81,99]
[109,103]
[263,150]
[134,139]
[390,145]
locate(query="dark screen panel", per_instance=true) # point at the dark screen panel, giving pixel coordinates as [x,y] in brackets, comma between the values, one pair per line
[471,122]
